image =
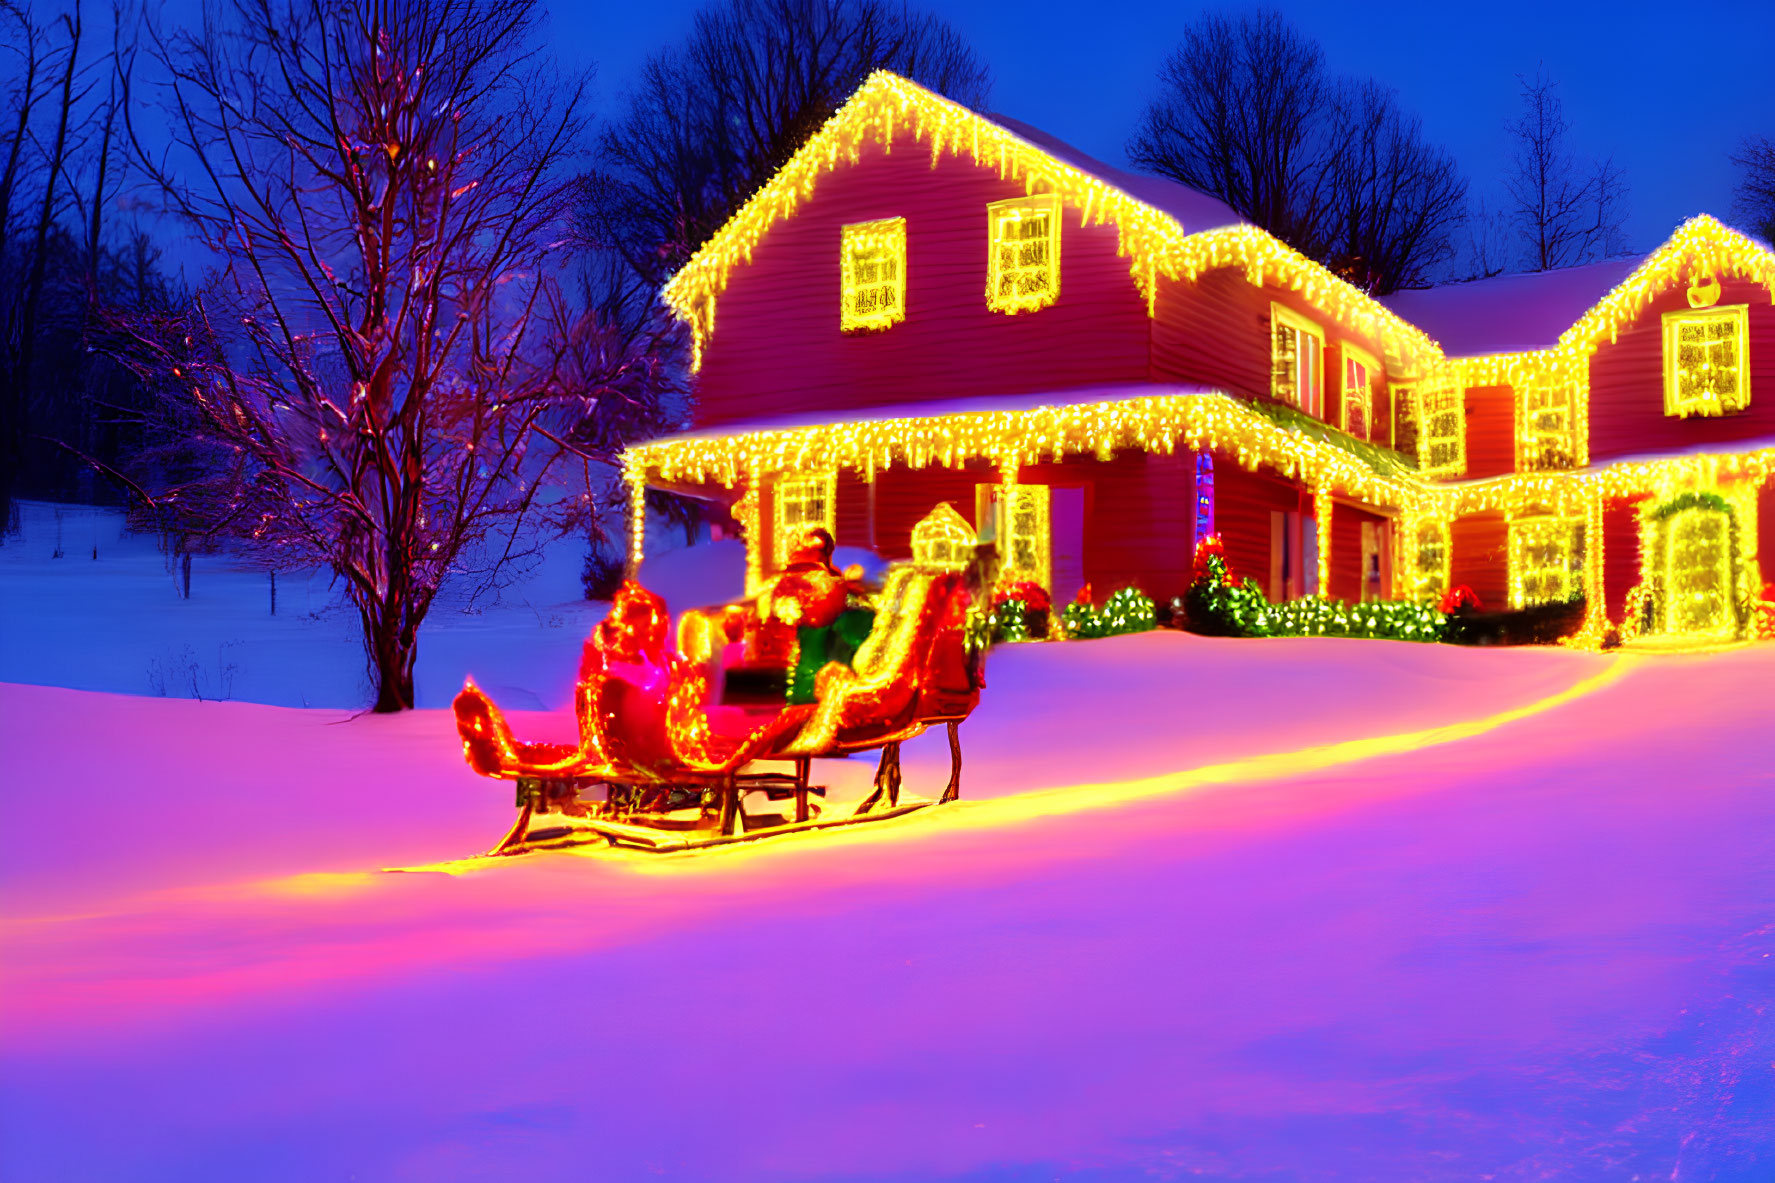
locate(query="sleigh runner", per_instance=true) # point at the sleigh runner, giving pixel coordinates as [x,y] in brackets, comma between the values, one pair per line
[677,741]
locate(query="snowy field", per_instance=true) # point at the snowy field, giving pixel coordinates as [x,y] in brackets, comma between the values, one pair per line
[1210,909]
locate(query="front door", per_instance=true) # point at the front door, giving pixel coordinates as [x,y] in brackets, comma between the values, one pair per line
[1698,576]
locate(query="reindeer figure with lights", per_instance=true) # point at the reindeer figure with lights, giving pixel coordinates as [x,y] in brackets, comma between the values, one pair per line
[675,740]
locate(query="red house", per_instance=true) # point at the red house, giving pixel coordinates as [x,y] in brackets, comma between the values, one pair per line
[927,305]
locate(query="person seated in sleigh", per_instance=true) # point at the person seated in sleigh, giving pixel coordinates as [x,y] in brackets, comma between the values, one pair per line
[766,651]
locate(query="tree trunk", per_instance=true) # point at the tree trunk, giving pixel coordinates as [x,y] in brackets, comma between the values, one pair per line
[391,664]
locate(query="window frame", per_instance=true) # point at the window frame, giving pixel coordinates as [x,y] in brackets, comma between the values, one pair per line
[1571,572]
[1430,579]
[995,509]
[1711,404]
[1282,316]
[1455,464]
[996,217]
[851,236]
[780,497]
[1402,396]
[1539,449]
[1356,355]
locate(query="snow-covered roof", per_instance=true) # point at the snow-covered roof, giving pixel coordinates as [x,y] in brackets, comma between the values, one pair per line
[936,408]
[1167,230]
[1509,313]
[1194,210]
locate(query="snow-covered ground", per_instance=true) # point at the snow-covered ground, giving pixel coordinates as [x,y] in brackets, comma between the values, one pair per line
[1225,909]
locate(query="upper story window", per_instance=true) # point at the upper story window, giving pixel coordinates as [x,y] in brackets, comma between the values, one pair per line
[1706,361]
[1442,429]
[802,502]
[1297,360]
[1405,419]
[1023,260]
[873,262]
[1544,426]
[1358,392]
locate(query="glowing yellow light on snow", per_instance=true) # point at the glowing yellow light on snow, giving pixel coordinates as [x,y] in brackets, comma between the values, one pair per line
[993,813]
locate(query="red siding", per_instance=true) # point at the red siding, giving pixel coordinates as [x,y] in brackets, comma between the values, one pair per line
[1138,510]
[903,496]
[777,348]
[1627,384]
[1243,502]
[1766,530]
[1216,331]
[1346,551]
[1620,554]
[851,514]
[1491,431]
[1480,559]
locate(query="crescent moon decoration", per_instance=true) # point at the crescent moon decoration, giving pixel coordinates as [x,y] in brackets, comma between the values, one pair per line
[1704,293]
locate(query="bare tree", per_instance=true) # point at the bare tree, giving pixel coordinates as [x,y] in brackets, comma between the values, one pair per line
[1394,198]
[1241,114]
[370,379]
[60,68]
[1247,111]
[1753,200]
[59,170]
[1490,242]
[713,118]
[1565,211]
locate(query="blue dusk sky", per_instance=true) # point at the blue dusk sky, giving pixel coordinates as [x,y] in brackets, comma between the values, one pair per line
[1667,89]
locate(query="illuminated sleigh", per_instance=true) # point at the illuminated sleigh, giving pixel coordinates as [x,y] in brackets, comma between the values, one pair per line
[671,740]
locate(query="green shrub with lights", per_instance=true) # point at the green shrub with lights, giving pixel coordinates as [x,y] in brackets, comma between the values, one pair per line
[1217,606]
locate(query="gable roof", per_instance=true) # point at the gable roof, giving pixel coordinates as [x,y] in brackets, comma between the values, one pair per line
[1164,229]
[1193,209]
[1572,308]
[1509,313]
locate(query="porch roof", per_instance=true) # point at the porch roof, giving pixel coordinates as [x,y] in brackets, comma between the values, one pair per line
[976,404]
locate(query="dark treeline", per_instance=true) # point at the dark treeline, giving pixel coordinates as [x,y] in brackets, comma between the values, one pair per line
[1247,109]
[69,244]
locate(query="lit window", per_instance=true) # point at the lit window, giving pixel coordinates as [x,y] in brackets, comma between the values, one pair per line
[1546,560]
[1017,517]
[1544,426]
[1405,420]
[1442,430]
[874,267]
[1706,367]
[802,502]
[1430,575]
[1023,271]
[1358,392]
[1297,349]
